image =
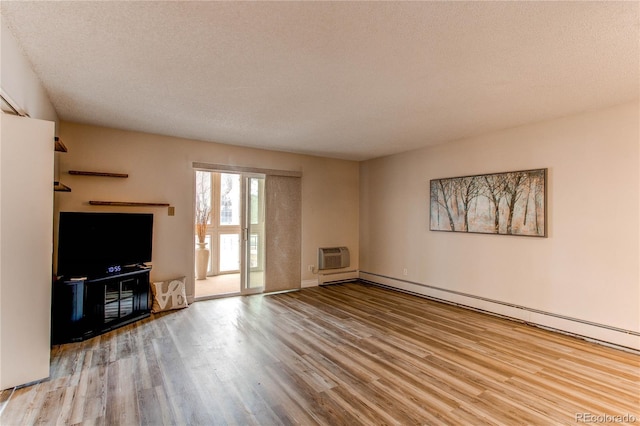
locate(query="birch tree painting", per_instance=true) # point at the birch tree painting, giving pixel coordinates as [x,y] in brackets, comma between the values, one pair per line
[511,203]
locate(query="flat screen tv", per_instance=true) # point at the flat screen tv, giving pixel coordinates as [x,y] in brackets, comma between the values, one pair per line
[98,244]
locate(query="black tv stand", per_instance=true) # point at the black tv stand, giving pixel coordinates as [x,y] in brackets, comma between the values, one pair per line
[86,307]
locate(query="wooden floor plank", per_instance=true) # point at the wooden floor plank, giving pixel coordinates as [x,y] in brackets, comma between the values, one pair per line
[336,355]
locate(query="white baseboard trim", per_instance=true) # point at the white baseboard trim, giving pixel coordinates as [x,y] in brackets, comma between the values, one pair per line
[309,283]
[599,333]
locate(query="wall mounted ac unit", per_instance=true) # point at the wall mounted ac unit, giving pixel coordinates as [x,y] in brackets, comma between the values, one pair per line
[333,258]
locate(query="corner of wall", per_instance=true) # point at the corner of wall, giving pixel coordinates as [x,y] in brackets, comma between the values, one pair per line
[20,82]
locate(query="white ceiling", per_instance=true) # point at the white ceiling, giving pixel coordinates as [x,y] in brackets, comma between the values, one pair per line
[353,80]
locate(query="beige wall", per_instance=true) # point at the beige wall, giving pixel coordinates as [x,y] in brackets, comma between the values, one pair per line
[160,170]
[18,80]
[588,267]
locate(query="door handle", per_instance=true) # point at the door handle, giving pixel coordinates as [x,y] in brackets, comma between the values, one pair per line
[245,234]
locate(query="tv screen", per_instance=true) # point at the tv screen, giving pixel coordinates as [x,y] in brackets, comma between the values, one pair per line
[97,244]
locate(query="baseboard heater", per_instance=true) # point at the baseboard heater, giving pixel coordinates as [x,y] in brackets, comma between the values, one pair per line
[338,277]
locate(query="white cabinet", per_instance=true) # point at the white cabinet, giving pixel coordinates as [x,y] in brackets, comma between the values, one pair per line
[26,247]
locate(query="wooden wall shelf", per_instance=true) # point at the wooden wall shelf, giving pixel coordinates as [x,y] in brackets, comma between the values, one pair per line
[101,174]
[127,204]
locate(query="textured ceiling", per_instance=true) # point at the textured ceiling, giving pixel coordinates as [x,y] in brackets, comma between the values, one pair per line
[340,79]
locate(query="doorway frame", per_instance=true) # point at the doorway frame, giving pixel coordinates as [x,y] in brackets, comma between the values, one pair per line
[268,173]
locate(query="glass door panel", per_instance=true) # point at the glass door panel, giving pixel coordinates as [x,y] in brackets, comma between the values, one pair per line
[127,288]
[229,222]
[111,304]
[254,234]
[229,252]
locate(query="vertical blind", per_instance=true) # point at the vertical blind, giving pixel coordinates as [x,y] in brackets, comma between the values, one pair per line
[283,232]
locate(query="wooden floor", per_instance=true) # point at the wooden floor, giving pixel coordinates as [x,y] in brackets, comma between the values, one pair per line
[338,355]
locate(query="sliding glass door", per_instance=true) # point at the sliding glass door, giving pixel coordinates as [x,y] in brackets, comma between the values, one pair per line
[232,229]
